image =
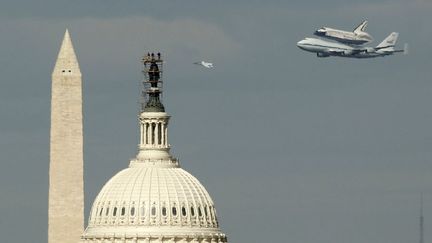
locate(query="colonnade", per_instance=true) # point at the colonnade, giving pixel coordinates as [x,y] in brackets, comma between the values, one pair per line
[154,133]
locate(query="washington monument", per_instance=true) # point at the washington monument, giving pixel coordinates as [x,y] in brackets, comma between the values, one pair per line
[66,195]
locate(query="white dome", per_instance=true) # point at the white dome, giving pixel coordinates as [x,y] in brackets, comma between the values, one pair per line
[149,199]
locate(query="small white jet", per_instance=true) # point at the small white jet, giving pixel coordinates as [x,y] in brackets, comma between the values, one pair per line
[324,48]
[204,64]
[357,37]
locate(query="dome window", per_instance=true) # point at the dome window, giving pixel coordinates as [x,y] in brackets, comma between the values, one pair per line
[107,212]
[164,211]
[183,211]
[205,211]
[153,211]
[100,212]
[192,211]
[115,211]
[199,211]
[132,211]
[123,211]
[174,211]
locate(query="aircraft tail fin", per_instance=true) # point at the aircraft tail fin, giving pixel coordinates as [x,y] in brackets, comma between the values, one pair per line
[404,50]
[361,27]
[389,41]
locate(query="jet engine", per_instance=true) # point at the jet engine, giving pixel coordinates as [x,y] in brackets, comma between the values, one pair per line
[348,52]
[320,54]
[369,50]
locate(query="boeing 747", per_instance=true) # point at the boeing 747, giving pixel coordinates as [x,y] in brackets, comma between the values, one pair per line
[324,48]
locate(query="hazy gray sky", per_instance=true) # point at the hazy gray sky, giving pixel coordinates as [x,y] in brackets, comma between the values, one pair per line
[292,148]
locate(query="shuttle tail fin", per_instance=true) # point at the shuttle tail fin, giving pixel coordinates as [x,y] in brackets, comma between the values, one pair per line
[361,27]
[389,41]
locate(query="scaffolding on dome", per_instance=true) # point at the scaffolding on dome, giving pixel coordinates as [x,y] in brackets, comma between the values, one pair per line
[152,84]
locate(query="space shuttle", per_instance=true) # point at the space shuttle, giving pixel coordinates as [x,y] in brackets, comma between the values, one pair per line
[355,38]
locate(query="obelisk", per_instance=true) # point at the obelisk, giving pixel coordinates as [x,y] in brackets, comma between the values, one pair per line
[66,185]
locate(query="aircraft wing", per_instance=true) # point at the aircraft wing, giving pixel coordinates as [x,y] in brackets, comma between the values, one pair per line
[348,52]
[335,51]
[359,50]
[363,50]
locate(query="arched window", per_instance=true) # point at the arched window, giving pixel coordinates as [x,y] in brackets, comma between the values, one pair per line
[192,211]
[164,211]
[174,211]
[132,211]
[199,211]
[153,211]
[123,212]
[183,211]
[115,211]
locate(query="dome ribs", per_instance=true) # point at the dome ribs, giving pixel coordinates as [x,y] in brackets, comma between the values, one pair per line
[186,201]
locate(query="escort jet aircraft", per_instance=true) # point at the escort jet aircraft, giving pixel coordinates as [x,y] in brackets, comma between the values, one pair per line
[324,48]
[357,37]
[204,64]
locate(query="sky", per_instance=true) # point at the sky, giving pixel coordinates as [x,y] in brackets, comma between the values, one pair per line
[291,147]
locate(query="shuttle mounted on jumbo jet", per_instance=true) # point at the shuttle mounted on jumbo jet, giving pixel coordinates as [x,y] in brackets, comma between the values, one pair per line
[357,37]
[324,48]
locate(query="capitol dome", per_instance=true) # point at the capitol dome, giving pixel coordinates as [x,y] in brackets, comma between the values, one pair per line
[153,200]
[148,195]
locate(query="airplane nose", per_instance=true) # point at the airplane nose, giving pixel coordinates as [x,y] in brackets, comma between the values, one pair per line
[300,43]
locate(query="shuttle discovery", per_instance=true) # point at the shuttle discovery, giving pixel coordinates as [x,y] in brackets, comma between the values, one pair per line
[357,37]
[324,48]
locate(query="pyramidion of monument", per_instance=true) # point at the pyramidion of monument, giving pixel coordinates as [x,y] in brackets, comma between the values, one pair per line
[67,62]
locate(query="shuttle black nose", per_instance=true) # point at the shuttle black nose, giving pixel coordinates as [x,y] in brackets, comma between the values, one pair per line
[319,33]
